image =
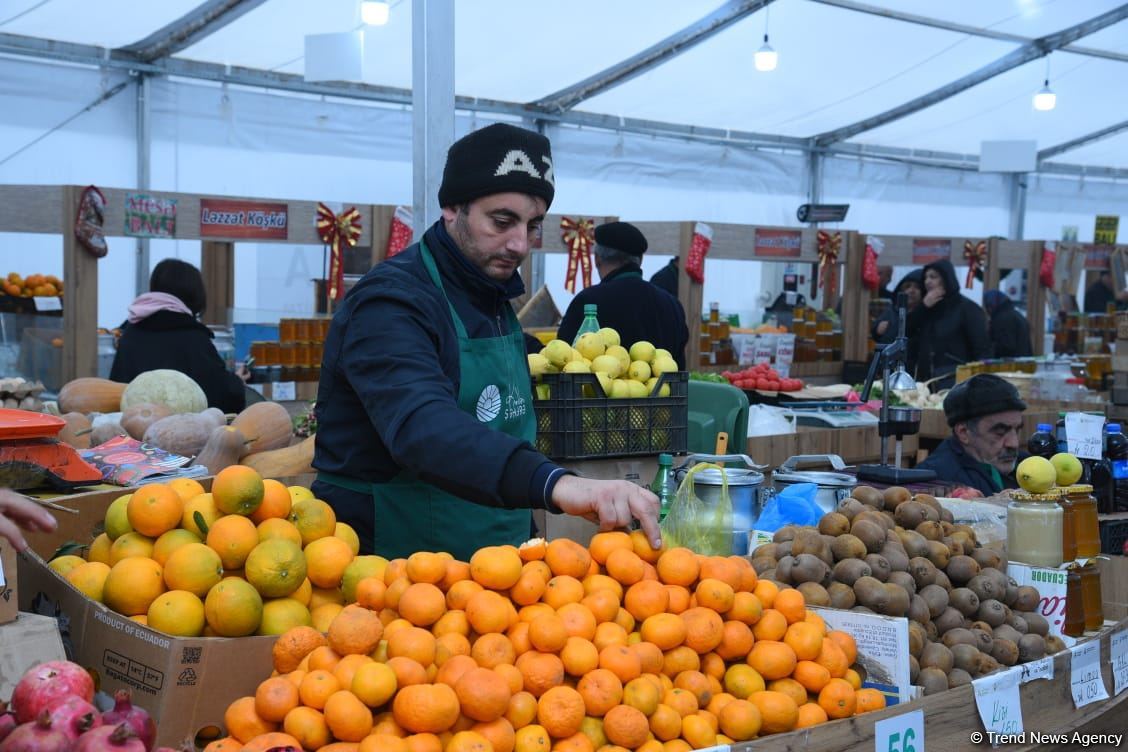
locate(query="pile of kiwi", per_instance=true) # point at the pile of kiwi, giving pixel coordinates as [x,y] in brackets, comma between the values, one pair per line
[894,553]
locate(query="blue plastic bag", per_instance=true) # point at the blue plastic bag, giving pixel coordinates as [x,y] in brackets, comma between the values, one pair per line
[794,505]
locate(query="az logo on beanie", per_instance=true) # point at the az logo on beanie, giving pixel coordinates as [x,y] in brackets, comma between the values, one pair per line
[518,161]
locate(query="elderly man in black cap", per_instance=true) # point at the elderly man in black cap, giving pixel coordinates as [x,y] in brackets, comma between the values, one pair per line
[985,413]
[636,309]
[424,410]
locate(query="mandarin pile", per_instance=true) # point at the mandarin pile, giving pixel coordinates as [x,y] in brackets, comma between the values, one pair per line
[251,557]
[554,647]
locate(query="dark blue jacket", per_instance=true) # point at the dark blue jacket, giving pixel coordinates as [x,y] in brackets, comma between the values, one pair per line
[388,397]
[953,465]
[952,332]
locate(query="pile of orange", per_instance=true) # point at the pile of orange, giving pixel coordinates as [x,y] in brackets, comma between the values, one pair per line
[252,556]
[43,285]
[554,647]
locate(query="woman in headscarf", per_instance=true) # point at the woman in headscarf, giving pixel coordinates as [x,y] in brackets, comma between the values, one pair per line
[884,328]
[948,328]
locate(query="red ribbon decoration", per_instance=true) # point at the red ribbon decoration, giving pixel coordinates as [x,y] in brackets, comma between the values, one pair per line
[976,256]
[333,230]
[828,245]
[578,236]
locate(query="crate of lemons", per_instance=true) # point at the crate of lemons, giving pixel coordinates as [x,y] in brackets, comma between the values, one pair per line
[622,372]
[251,557]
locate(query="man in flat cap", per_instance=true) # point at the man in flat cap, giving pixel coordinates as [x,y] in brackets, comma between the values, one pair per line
[636,309]
[424,410]
[985,413]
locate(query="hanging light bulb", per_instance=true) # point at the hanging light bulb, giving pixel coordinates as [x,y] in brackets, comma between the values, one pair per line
[374,12]
[766,59]
[1045,99]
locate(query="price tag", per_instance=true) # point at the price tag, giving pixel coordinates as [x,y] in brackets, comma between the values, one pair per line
[996,698]
[901,733]
[283,390]
[1119,646]
[48,303]
[1043,668]
[1085,680]
[1083,435]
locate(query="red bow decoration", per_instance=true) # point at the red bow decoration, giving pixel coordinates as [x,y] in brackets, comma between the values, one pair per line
[976,256]
[334,230]
[828,245]
[578,236]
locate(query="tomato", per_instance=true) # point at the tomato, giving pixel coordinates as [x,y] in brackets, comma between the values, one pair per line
[763,384]
[773,385]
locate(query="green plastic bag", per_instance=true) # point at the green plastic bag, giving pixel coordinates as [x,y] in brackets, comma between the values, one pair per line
[700,527]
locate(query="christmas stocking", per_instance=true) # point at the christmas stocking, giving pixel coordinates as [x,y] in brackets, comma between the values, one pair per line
[695,264]
[399,237]
[870,278]
[88,222]
[1046,272]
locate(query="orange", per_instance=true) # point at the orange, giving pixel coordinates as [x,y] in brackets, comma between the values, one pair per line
[243,723]
[347,717]
[276,502]
[459,593]
[488,612]
[678,566]
[499,733]
[169,542]
[265,742]
[528,589]
[238,489]
[626,726]
[407,671]
[131,544]
[370,593]
[810,714]
[736,641]
[193,567]
[724,569]
[421,604]
[805,639]
[579,656]
[347,667]
[532,738]
[603,604]
[601,690]
[563,589]
[645,599]
[396,589]
[682,658]
[326,559]
[666,631]
[275,567]
[496,567]
[512,675]
[322,658]
[868,699]
[451,671]
[596,582]
[704,629]
[621,660]
[413,642]
[532,549]
[641,545]
[609,633]
[740,720]
[308,726]
[276,527]
[449,645]
[741,681]
[837,699]
[99,550]
[845,641]
[602,545]
[355,631]
[540,672]
[790,603]
[766,591]
[771,626]
[518,634]
[132,585]
[778,712]
[696,683]
[280,614]
[469,741]
[493,649]
[789,687]
[396,569]
[154,509]
[813,618]
[522,709]
[625,566]
[811,675]
[714,594]
[679,599]
[321,617]
[561,709]
[578,742]
[547,633]
[746,608]
[566,557]
[713,665]
[483,694]
[578,620]
[386,743]
[89,578]
[854,678]
[185,488]
[771,659]
[178,613]
[345,532]
[683,701]
[274,698]
[833,658]
[456,571]
[650,657]
[424,566]
[313,518]
[233,608]
[665,722]
[698,732]
[430,708]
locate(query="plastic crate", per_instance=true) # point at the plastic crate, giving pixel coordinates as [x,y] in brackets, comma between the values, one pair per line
[1113,535]
[578,420]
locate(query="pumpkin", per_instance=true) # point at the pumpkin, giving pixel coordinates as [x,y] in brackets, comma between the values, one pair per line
[77,431]
[173,389]
[223,449]
[91,395]
[267,425]
[283,463]
[137,419]
[215,415]
[180,434]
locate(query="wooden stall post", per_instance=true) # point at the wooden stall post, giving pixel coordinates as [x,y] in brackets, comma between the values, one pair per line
[690,294]
[217,266]
[855,305]
[993,270]
[1036,297]
[80,307]
[381,224]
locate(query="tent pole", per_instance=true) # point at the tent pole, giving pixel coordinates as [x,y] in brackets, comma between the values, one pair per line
[432,104]
[144,176]
[1017,182]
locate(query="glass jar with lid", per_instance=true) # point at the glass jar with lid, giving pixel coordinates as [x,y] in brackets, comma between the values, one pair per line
[1034,528]
[1086,529]
[1091,596]
[1074,623]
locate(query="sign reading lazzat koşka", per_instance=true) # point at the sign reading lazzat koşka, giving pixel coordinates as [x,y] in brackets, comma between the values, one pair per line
[253,220]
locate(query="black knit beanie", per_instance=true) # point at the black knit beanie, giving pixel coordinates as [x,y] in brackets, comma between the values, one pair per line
[982,394]
[499,158]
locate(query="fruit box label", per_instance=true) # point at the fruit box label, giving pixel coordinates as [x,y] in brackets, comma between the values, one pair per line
[1051,589]
[883,649]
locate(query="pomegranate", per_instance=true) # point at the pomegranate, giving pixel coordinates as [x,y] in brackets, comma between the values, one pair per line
[45,685]
[119,738]
[7,721]
[75,716]
[138,719]
[40,735]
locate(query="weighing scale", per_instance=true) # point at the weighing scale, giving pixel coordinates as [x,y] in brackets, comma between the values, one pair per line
[31,454]
[833,415]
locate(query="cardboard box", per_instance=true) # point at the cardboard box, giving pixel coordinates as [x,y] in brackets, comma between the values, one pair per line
[9,600]
[28,641]
[165,674]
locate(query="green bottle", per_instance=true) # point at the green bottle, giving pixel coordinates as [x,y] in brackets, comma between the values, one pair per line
[589,324]
[662,487]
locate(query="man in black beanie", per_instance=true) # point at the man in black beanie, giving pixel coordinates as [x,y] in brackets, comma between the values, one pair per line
[638,310]
[424,410]
[985,413]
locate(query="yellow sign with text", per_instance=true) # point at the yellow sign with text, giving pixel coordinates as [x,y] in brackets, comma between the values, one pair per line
[1106,228]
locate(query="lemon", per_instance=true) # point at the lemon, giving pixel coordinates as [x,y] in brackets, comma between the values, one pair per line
[1036,474]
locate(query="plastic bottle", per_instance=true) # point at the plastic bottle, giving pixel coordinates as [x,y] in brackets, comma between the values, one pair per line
[1116,451]
[1042,443]
[663,484]
[589,324]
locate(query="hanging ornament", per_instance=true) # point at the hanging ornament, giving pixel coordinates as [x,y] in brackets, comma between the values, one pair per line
[578,235]
[976,256]
[1049,261]
[400,233]
[698,249]
[88,222]
[870,276]
[337,231]
[829,245]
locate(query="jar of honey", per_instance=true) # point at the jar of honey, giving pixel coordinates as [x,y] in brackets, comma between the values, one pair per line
[1086,528]
[1034,528]
[1074,623]
[1091,597]
[287,330]
[1068,528]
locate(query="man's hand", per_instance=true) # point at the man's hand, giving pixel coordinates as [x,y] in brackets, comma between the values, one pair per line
[881,327]
[18,512]
[932,297]
[611,503]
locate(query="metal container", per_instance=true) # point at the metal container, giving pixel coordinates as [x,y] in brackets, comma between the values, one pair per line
[744,485]
[833,486]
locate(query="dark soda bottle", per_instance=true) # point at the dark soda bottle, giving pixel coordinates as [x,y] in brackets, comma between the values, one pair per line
[1116,452]
[1042,442]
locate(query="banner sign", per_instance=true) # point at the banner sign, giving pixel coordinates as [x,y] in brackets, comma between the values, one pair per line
[149,216]
[1105,231]
[226,218]
[931,250]
[1097,258]
[779,243]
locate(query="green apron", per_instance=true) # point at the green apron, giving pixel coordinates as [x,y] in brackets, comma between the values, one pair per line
[415,516]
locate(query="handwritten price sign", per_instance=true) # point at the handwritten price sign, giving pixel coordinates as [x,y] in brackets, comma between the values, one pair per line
[901,733]
[1085,680]
[996,698]
[1083,435]
[1120,661]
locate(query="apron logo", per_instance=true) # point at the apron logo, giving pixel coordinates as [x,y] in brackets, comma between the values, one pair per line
[515,406]
[489,404]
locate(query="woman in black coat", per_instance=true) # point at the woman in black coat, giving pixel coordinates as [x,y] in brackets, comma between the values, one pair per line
[884,329]
[948,328]
[163,331]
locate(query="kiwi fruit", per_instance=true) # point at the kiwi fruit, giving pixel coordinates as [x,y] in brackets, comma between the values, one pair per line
[959,636]
[937,599]
[930,530]
[984,639]
[848,571]
[955,547]
[1054,644]
[809,568]
[879,567]
[928,500]
[943,581]
[870,533]
[930,631]
[1017,622]
[806,541]
[848,546]
[960,527]
[766,549]
[834,523]
[784,549]
[933,680]
[964,656]
[961,569]
[923,571]
[768,575]
[841,595]
[999,577]
[909,515]
[984,587]
[849,507]
[1004,651]
[914,669]
[825,552]
[991,611]
[963,538]
[763,563]
[988,558]
[915,544]
[987,664]
[783,569]
[938,554]
[871,593]
[1011,592]
[917,638]
[1035,623]
[863,610]
[946,515]
[905,580]
[814,594]
[785,534]
[1031,647]
[936,655]
[949,619]
[880,519]
[894,553]
[869,496]
[964,600]
[895,495]
[898,600]
[958,678]
[918,609]
[1006,632]
[1026,599]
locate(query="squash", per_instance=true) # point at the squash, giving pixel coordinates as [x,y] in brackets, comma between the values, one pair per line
[283,463]
[267,425]
[166,387]
[106,427]
[224,447]
[137,419]
[91,395]
[184,434]
[77,431]
[216,416]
